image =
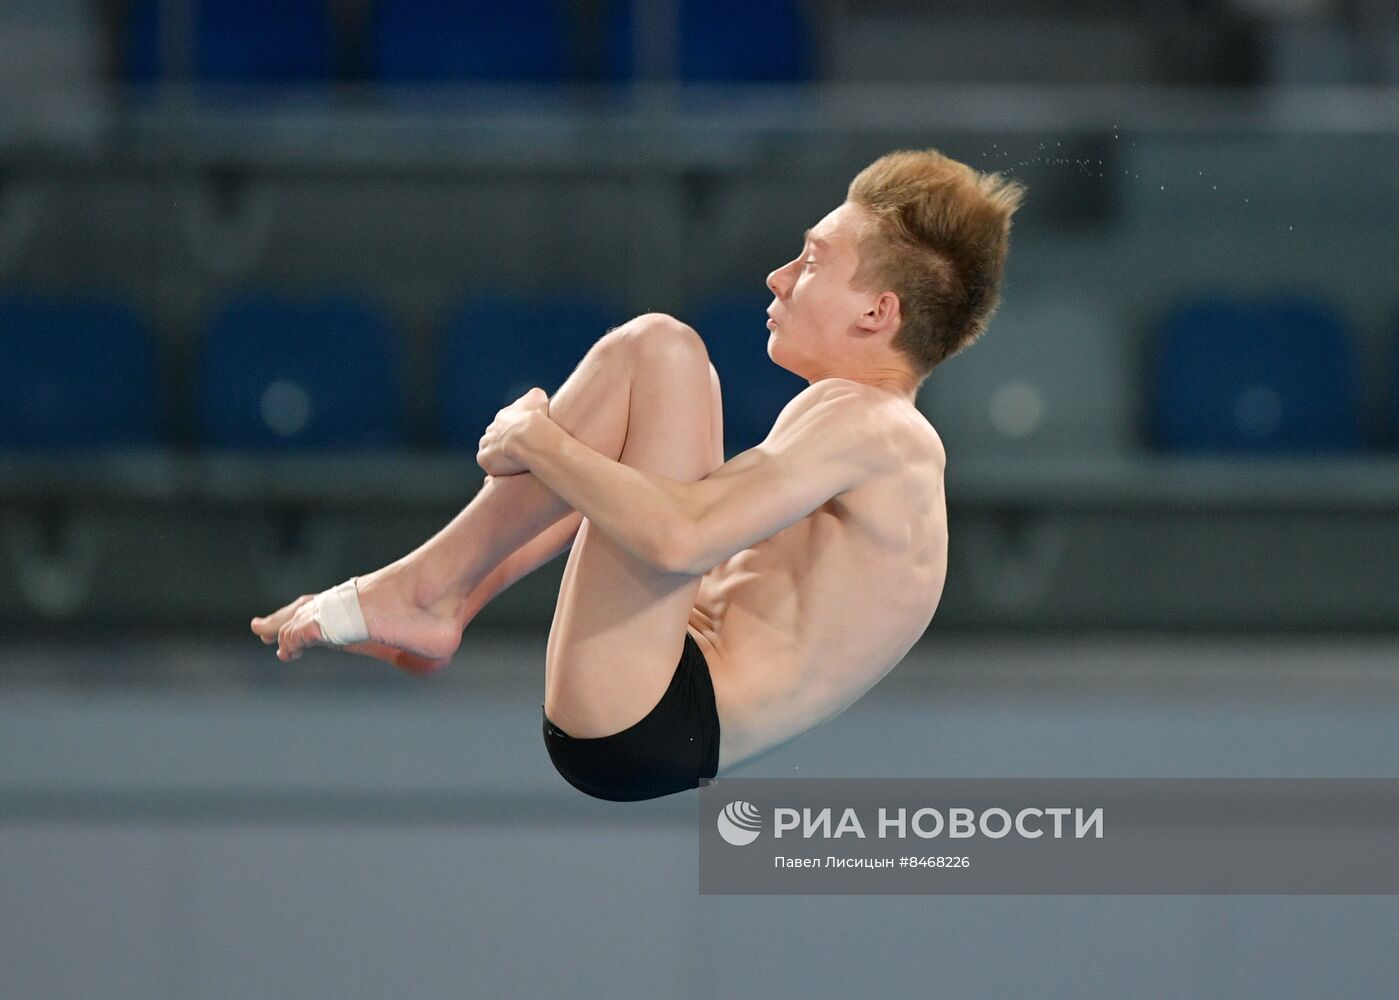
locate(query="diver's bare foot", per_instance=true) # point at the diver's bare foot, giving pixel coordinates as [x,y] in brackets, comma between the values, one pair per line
[415,639]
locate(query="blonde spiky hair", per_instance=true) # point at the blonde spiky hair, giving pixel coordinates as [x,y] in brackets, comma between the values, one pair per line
[939,241]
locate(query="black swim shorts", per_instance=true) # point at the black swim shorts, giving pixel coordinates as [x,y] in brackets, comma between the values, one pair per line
[674,748]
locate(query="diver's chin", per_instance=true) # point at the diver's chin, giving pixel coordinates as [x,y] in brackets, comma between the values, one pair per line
[779,357]
[775,351]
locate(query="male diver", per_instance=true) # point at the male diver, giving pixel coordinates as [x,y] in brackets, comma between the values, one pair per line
[709,610]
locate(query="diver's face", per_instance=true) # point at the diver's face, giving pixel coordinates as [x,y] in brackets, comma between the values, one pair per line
[814,305]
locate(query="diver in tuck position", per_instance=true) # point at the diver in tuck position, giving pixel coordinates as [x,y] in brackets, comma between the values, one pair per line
[710,610]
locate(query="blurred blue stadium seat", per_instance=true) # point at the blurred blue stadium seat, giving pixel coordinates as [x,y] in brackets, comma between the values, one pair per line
[425,40]
[1054,374]
[280,373]
[76,374]
[1391,428]
[723,41]
[755,389]
[268,41]
[1256,375]
[496,347]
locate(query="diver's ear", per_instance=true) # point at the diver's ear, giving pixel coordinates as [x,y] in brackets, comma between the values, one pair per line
[882,315]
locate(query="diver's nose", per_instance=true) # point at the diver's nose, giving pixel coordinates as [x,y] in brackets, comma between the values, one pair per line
[774,281]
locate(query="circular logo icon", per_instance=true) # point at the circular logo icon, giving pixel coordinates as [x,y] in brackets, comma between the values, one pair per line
[740,823]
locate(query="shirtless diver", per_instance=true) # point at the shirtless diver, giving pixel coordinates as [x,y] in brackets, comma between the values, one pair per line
[710,610]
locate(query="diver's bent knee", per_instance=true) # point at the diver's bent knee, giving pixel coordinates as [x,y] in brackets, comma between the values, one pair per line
[666,338]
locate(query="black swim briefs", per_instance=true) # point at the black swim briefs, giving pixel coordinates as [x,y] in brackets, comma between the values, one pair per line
[674,748]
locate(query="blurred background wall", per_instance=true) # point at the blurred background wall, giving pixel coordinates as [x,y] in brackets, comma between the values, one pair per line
[268,269]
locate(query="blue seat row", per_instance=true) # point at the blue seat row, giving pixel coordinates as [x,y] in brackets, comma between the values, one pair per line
[275,372]
[291,41]
[1055,376]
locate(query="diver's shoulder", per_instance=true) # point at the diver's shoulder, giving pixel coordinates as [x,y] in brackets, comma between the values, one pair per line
[877,411]
[932,440]
[833,387]
[912,437]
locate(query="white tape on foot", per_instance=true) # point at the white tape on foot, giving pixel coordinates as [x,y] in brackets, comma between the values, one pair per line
[338,613]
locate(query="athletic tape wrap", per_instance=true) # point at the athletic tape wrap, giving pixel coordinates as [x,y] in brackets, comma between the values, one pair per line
[338,613]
